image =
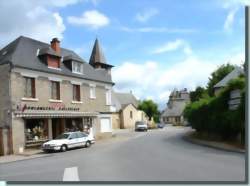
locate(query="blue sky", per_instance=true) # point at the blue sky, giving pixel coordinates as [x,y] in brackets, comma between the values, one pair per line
[155,46]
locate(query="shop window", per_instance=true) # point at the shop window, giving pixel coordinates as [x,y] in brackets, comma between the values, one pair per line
[76,93]
[73,125]
[29,87]
[55,90]
[36,130]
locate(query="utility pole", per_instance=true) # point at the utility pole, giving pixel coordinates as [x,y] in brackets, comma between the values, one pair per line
[247,53]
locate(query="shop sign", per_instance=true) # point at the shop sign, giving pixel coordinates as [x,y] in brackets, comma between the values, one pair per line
[52,107]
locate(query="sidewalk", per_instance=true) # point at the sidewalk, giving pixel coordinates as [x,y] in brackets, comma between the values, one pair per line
[212,144]
[28,154]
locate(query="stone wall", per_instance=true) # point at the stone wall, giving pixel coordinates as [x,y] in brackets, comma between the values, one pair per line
[43,94]
[5,110]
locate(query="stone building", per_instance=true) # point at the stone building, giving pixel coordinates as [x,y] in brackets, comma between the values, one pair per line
[173,114]
[232,75]
[46,90]
[125,111]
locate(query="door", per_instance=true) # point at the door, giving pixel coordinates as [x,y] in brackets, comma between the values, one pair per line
[106,125]
[74,140]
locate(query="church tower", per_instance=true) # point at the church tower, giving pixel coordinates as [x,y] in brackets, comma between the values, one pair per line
[97,58]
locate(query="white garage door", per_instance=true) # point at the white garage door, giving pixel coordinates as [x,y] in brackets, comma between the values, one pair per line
[106,125]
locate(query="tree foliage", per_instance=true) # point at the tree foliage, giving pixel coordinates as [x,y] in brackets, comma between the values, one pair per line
[150,108]
[198,93]
[217,76]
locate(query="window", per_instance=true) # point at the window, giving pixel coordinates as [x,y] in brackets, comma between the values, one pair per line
[53,62]
[76,93]
[108,97]
[131,114]
[30,88]
[55,90]
[77,67]
[92,92]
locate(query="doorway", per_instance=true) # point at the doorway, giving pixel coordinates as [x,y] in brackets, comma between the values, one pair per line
[57,127]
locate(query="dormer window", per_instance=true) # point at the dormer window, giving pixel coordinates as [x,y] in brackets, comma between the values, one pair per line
[77,67]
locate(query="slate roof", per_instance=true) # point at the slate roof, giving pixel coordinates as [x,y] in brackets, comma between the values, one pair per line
[121,100]
[97,56]
[176,110]
[176,104]
[23,52]
[232,75]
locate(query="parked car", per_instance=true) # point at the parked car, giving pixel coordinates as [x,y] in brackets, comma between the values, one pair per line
[160,125]
[141,126]
[67,141]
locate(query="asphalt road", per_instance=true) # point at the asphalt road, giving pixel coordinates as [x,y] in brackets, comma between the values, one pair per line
[160,155]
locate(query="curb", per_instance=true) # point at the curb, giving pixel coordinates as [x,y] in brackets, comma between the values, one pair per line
[26,158]
[216,145]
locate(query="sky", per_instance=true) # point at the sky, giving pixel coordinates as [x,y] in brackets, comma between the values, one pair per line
[155,46]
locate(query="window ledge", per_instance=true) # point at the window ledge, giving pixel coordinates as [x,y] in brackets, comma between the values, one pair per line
[55,101]
[76,102]
[77,73]
[92,97]
[30,99]
[55,68]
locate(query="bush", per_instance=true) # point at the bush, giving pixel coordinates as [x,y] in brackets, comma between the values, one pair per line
[212,115]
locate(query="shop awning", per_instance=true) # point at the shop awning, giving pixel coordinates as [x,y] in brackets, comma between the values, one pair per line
[54,114]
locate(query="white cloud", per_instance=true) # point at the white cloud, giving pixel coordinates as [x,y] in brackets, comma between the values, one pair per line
[157,30]
[34,19]
[146,15]
[228,24]
[91,18]
[174,45]
[228,4]
[150,80]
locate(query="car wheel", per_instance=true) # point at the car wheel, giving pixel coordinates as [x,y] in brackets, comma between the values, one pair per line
[87,144]
[63,148]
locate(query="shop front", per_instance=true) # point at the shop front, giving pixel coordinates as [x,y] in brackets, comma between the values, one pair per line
[41,126]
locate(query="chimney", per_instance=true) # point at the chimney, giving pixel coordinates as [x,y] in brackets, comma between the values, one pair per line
[55,45]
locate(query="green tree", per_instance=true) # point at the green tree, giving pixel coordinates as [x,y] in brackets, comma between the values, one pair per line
[198,93]
[217,76]
[150,108]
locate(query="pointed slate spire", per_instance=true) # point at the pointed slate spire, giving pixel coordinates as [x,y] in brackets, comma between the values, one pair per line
[97,58]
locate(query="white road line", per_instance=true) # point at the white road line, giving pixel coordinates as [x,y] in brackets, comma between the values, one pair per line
[71,174]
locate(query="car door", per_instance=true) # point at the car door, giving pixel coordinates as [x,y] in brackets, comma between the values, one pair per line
[73,140]
[82,138]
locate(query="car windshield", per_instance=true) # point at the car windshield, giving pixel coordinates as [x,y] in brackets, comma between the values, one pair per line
[139,123]
[62,136]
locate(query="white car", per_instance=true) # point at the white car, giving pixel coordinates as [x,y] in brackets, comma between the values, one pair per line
[140,125]
[67,141]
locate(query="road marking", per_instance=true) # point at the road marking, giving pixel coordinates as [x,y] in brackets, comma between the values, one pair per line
[71,174]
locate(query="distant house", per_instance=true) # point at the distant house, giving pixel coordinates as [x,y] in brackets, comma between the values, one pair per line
[174,112]
[223,83]
[125,112]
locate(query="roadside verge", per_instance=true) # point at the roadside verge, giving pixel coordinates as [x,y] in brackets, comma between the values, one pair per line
[213,144]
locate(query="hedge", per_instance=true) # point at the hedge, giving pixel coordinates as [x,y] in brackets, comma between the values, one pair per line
[212,115]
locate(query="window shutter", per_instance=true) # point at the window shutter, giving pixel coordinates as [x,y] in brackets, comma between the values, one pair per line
[78,92]
[33,87]
[58,90]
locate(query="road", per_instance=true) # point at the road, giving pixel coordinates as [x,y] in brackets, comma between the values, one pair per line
[159,155]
